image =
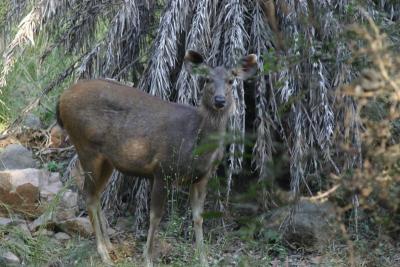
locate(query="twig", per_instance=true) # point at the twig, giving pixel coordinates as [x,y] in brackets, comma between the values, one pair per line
[51,150]
[325,194]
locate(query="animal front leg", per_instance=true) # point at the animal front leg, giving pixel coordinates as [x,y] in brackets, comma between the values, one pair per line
[157,201]
[198,193]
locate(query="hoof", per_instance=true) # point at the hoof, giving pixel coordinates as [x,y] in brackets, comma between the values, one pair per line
[107,260]
[149,263]
[105,256]
[109,246]
[203,261]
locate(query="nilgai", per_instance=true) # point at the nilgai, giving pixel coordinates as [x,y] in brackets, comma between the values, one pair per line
[117,127]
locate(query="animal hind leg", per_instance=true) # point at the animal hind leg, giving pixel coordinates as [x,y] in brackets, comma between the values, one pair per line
[96,176]
[106,171]
[157,201]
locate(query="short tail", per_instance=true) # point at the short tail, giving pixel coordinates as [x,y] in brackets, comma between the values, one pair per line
[59,121]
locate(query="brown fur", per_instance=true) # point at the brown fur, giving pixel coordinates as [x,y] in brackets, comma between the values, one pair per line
[117,127]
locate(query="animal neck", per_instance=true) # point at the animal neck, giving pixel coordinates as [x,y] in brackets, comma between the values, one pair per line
[213,121]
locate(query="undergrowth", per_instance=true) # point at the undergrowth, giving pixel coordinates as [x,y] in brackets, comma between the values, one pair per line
[29,76]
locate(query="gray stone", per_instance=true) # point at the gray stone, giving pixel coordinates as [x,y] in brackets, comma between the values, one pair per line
[43,232]
[69,199]
[49,220]
[68,205]
[5,221]
[10,221]
[80,225]
[32,121]
[44,220]
[63,214]
[24,228]
[9,257]
[111,231]
[49,191]
[16,156]
[312,224]
[62,236]
[54,177]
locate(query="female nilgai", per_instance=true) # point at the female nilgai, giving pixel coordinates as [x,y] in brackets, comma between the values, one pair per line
[115,126]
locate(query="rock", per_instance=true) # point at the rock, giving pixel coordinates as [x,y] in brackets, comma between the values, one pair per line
[54,177]
[51,186]
[49,191]
[5,221]
[32,121]
[9,257]
[27,189]
[62,236]
[68,205]
[80,225]
[311,224]
[19,189]
[66,209]
[16,156]
[43,232]
[44,220]
[63,214]
[23,228]
[111,232]
[69,199]
[10,221]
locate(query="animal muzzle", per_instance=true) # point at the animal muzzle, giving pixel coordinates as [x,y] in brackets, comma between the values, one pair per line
[219,101]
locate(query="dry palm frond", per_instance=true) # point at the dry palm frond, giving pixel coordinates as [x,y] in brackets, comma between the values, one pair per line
[228,46]
[307,88]
[291,92]
[14,11]
[261,41]
[156,79]
[50,13]
[87,67]
[41,12]
[26,31]
[122,39]
[82,24]
[198,39]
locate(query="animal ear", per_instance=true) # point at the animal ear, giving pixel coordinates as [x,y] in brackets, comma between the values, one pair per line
[194,63]
[247,68]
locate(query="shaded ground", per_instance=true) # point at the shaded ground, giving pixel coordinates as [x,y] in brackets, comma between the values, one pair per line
[233,248]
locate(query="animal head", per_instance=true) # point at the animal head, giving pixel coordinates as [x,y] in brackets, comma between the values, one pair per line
[217,92]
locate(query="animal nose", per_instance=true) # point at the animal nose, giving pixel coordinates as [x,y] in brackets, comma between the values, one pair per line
[219,101]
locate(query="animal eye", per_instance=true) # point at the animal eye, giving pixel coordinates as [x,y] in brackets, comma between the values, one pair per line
[230,81]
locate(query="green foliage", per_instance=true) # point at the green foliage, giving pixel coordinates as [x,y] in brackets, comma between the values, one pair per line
[271,62]
[4,7]
[28,78]
[53,166]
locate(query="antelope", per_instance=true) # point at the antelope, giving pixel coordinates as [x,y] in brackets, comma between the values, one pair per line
[113,126]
